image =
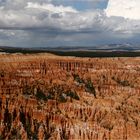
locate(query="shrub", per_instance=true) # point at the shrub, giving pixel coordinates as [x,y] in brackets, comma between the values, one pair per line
[50,96]
[73,95]
[40,95]
[90,88]
[2,73]
[78,79]
[27,90]
[62,98]
[123,83]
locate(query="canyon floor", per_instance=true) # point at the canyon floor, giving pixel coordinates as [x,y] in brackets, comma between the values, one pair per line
[43,96]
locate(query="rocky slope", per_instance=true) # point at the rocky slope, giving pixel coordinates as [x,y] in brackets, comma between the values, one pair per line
[49,97]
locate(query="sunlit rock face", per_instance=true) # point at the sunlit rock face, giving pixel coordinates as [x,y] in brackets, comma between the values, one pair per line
[124,8]
[48,97]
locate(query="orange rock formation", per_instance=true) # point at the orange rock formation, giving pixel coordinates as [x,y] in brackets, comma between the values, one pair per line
[58,98]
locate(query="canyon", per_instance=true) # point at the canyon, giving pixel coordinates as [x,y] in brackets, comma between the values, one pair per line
[44,96]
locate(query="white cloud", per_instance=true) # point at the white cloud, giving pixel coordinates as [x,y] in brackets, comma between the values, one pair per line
[47,16]
[51,8]
[44,15]
[40,19]
[124,8]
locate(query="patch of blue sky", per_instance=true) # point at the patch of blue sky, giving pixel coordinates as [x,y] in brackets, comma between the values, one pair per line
[83,5]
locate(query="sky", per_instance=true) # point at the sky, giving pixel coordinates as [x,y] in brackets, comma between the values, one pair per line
[52,23]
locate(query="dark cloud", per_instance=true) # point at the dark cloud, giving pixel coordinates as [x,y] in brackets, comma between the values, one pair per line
[41,23]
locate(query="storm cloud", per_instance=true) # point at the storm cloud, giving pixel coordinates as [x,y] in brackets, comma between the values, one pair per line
[38,23]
